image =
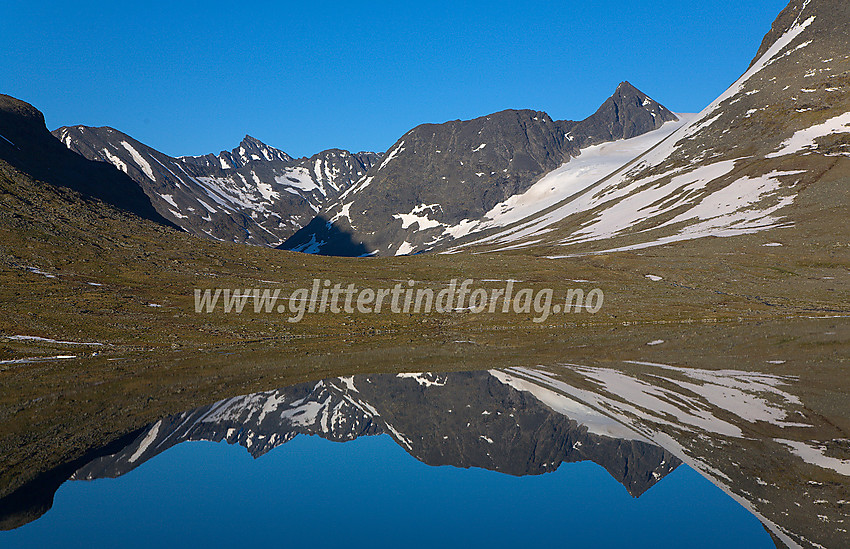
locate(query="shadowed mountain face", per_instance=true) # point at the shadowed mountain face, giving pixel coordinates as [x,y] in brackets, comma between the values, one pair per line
[254,194]
[465,420]
[339,243]
[439,179]
[26,145]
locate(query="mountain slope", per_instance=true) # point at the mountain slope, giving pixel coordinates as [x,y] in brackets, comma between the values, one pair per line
[27,146]
[440,180]
[746,164]
[254,194]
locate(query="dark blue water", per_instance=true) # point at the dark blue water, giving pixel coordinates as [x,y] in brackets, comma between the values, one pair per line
[370,493]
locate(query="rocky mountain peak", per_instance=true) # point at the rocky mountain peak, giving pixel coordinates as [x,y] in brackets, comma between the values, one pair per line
[627,113]
[440,181]
[251,149]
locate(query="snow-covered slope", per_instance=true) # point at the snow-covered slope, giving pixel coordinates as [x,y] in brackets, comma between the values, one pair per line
[733,169]
[593,164]
[254,194]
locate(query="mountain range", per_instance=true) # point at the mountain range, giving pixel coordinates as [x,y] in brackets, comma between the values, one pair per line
[435,177]
[631,175]
[254,194]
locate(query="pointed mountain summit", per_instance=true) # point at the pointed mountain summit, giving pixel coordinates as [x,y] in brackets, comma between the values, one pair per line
[440,181]
[249,150]
[626,114]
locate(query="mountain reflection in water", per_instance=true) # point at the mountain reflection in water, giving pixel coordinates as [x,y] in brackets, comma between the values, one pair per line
[517,422]
[475,419]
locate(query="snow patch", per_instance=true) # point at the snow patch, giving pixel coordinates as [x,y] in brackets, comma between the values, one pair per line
[804,140]
[34,270]
[170,199]
[311,247]
[48,340]
[426,379]
[814,454]
[139,160]
[391,155]
[300,178]
[423,221]
[146,442]
[114,160]
[405,248]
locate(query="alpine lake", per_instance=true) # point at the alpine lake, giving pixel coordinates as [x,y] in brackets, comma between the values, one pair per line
[453,442]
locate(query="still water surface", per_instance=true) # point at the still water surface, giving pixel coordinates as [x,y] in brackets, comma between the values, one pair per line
[424,460]
[370,493]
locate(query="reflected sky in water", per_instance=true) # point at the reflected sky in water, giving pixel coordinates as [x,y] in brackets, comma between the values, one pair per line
[370,493]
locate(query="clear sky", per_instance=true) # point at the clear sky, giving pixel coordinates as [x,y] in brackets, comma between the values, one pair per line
[195,77]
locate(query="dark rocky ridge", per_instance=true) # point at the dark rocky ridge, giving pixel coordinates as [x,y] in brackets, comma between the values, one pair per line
[459,170]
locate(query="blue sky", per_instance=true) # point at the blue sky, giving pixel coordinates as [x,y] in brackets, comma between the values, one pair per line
[195,77]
